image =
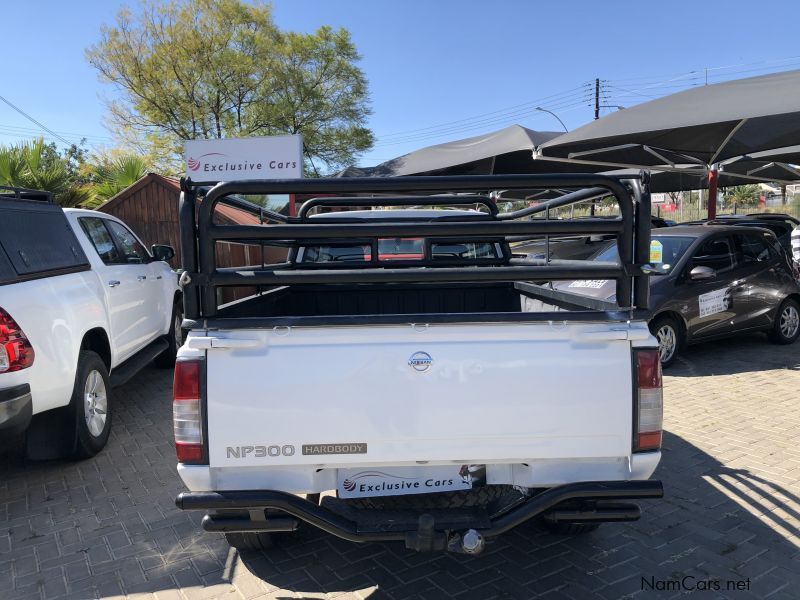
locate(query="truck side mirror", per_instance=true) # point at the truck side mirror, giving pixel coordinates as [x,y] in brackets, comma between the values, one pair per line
[162,252]
[702,273]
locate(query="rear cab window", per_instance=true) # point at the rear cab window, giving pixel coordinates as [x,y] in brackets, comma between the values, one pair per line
[399,249]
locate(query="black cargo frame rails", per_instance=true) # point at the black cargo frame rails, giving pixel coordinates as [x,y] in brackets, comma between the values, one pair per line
[199,235]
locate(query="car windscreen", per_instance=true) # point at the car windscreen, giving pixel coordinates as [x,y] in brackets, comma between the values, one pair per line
[664,250]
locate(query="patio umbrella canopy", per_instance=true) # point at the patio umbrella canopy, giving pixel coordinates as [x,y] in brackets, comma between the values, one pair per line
[676,180]
[506,151]
[777,165]
[704,125]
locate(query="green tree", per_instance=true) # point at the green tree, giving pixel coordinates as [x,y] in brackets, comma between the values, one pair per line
[744,196]
[36,165]
[112,174]
[221,68]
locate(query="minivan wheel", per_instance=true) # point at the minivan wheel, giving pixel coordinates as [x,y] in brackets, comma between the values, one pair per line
[786,328]
[91,401]
[669,335]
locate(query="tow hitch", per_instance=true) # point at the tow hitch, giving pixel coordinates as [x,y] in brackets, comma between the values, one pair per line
[470,542]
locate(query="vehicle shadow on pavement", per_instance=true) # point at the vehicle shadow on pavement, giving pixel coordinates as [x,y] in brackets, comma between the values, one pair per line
[714,524]
[108,527]
[736,355]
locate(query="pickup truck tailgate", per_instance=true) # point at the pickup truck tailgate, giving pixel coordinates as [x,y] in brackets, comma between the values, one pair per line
[351,396]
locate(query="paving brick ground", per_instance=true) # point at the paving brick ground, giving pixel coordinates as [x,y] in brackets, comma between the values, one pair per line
[108,527]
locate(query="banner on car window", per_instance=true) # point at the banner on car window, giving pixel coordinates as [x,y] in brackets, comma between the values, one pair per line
[235,159]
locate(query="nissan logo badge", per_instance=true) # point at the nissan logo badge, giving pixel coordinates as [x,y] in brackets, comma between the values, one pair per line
[420,361]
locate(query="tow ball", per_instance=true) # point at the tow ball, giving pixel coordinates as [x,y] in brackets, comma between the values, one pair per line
[469,542]
[427,539]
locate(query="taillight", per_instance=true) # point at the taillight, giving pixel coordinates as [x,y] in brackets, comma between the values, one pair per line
[16,352]
[649,415]
[187,411]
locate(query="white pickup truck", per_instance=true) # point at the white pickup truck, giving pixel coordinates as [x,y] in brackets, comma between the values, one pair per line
[83,306]
[399,377]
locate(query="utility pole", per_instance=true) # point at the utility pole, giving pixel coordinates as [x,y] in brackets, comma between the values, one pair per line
[596,99]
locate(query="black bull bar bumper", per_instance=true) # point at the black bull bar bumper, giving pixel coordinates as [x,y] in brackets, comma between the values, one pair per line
[592,501]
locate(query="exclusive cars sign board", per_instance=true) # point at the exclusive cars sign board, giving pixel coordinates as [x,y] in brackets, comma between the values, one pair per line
[275,157]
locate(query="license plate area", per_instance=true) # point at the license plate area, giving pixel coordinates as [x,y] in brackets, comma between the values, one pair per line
[402,481]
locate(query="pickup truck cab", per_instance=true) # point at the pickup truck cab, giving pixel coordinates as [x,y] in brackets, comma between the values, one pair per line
[398,377]
[83,306]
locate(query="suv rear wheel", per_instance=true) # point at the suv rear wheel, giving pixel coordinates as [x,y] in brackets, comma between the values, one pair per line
[91,400]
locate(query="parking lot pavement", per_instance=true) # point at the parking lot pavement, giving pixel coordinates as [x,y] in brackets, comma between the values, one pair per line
[731,516]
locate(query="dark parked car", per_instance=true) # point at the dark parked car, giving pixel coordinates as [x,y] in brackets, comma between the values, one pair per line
[778,223]
[571,247]
[720,280]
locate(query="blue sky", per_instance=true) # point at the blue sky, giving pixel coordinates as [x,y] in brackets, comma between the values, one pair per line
[438,71]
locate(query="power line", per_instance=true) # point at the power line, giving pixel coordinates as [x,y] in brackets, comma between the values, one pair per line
[476,125]
[767,64]
[32,120]
[30,132]
[567,94]
[480,126]
[506,117]
[64,133]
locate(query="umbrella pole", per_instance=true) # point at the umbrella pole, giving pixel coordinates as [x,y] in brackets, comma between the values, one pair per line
[712,192]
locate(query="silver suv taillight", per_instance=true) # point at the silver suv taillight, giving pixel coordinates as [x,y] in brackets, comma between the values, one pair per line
[648,415]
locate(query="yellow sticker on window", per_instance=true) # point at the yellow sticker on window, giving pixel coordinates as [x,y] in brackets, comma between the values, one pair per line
[656,252]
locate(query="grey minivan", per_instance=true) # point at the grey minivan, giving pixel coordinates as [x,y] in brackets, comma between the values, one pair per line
[719,280]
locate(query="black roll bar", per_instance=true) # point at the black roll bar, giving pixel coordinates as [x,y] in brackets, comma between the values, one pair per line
[571,198]
[198,241]
[467,200]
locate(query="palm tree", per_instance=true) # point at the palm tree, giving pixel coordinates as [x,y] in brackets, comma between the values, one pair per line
[30,165]
[112,175]
[743,195]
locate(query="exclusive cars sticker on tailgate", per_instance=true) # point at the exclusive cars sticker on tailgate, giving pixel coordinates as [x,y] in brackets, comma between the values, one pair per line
[399,481]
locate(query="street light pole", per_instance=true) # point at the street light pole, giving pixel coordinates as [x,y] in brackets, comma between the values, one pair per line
[554,114]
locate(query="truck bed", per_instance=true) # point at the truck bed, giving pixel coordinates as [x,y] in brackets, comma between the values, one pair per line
[379,300]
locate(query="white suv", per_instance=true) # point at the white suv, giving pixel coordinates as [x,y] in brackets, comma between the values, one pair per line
[83,306]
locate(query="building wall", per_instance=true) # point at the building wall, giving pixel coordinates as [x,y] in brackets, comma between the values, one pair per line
[152,212]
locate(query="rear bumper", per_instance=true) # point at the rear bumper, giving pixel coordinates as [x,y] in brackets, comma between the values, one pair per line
[594,501]
[16,408]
